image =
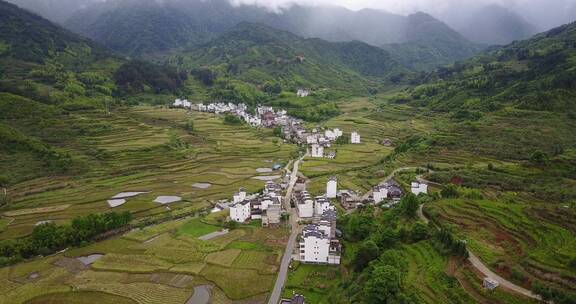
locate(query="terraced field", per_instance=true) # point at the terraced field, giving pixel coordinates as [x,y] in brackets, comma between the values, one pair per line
[130,151]
[521,242]
[155,265]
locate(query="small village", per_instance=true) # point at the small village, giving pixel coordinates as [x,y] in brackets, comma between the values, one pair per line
[292,129]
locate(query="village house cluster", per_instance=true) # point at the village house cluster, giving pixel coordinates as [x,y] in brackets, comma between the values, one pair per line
[264,116]
[268,117]
[318,243]
[266,206]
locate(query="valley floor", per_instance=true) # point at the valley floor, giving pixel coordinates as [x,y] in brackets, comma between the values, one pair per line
[519,228]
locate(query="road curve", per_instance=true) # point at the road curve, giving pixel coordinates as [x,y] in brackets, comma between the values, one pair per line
[283,271]
[482,268]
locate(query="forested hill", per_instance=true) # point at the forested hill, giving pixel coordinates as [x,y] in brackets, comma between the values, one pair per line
[534,74]
[48,74]
[256,53]
[28,37]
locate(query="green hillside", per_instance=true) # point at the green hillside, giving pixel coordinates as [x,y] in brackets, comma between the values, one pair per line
[535,74]
[47,74]
[257,54]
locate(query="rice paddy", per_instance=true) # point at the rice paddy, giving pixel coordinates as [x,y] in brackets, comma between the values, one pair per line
[158,264]
[138,159]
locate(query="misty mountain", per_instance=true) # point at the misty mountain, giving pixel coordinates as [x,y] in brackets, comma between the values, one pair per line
[430,43]
[495,25]
[146,27]
[54,10]
[256,54]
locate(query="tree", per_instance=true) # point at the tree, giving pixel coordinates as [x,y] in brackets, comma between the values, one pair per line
[205,75]
[450,191]
[539,158]
[358,227]
[232,120]
[273,88]
[410,205]
[189,126]
[387,238]
[384,284]
[277,132]
[367,252]
[419,232]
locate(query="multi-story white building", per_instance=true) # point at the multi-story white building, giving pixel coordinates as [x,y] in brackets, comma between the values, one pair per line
[241,212]
[317,151]
[332,187]
[380,193]
[418,188]
[305,204]
[355,138]
[317,247]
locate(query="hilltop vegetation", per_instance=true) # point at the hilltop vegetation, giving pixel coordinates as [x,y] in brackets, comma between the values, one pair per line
[535,74]
[257,54]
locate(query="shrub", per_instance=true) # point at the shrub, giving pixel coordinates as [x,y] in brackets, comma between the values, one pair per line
[232,120]
[450,191]
[539,158]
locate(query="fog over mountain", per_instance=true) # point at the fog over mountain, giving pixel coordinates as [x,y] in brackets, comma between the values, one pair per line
[545,14]
[481,21]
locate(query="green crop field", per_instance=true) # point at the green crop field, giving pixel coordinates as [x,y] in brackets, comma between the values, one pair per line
[142,268]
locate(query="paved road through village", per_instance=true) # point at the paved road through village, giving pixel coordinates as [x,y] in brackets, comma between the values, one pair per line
[283,272]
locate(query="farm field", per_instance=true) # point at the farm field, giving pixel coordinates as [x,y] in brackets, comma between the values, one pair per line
[521,242]
[313,281]
[161,265]
[145,149]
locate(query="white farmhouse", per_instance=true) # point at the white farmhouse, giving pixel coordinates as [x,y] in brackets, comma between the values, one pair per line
[317,151]
[312,139]
[305,204]
[332,187]
[240,212]
[418,188]
[380,193]
[239,196]
[303,92]
[355,138]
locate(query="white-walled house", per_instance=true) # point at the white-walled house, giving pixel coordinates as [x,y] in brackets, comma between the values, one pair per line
[418,188]
[241,212]
[321,205]
[317,247]
[355,138]
[303,92]
[332,187]
[380,193]
[305,204]
[317,151]
[239,196]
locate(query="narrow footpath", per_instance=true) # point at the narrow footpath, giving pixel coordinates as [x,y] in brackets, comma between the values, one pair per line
[295,229]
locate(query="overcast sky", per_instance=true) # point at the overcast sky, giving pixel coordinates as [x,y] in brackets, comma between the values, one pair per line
[543,13]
